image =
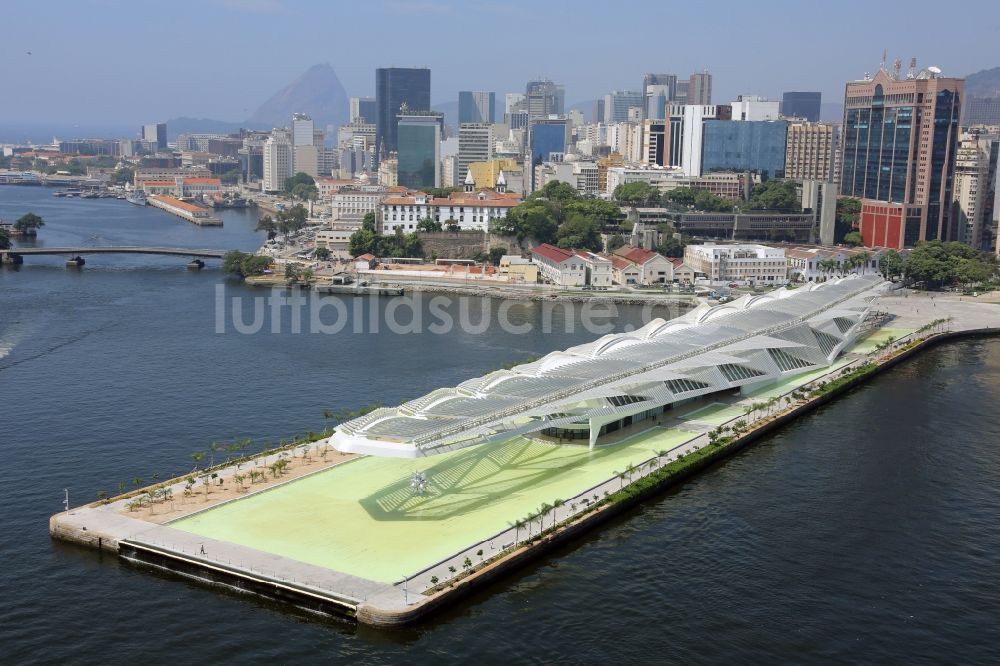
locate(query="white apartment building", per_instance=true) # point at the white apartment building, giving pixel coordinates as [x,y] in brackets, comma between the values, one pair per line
[277,161]
[738,262]
[972,189]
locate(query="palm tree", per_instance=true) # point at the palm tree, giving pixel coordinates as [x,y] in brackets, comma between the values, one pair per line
[621,478]
[517,525]
[213,447]
[556,503]
[327,415]
[136,481]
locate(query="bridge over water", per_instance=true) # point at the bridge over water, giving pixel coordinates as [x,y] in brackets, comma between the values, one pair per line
[15,255]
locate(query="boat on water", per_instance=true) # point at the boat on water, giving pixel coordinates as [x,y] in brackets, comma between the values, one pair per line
[137,197]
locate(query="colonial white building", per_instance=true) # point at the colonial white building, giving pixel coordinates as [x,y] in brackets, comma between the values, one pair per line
[470,210]
[560,267]
[652,267]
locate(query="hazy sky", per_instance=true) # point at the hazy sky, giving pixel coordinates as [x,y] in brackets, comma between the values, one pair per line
[117,61]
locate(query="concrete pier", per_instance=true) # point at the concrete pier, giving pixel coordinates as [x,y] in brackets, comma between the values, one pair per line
[149,541]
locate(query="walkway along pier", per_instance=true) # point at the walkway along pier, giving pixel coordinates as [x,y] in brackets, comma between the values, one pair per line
[318,589]
[15,255]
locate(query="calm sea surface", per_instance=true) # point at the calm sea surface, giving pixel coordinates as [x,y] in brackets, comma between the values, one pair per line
[866,532]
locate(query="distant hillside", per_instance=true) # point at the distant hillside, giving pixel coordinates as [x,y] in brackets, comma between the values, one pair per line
[318,92]
[985,83]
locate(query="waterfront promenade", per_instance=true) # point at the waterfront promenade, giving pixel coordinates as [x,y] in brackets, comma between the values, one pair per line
[680,435]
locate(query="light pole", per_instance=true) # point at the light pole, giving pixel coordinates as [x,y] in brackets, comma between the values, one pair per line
[406,598]
[66,499]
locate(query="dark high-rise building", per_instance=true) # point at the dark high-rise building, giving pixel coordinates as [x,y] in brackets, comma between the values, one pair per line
[745,145]
[155,133]
[394,87]
[419,151]
[801,105]
[981,111]
[475,106]
[899,142]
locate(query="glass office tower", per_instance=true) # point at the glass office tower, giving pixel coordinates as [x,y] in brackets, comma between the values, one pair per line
[419,149]
[745,145]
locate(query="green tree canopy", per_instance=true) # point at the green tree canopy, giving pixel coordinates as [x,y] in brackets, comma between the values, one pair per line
[361,242]
[581,232]
[496,252]
[5,243]
[701,200]
[672,246]
[848,211]
[243,264]
[777,195]
[301,178]
[853,238]
[368,222]
[890,264]
[638,193]
[429,224]
[268,226]
[28,223]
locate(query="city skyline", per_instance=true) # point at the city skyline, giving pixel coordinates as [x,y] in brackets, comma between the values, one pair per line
[153,91]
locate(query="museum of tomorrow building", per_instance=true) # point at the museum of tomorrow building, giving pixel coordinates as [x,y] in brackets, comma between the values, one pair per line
[591,390]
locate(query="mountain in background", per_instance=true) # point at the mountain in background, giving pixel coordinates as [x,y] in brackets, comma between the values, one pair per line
[984,83]
[318,92]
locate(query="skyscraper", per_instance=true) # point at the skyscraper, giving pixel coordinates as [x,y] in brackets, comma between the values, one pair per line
[618,103]
[305,154]
[155,133]
[395,86]
[362,109]
[475,144]
[277,160]
[665,85]
[899,142]
[419,149]
[810,151]
[699,89]
[476,106]
[543,98]
[805,105]
[975,180]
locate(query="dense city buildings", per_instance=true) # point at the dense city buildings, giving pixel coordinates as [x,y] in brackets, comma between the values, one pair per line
[305,154]
[803,105]
[699,89]
[394,88]
[476,106]
[900,137]
[618,104]
[657,89]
